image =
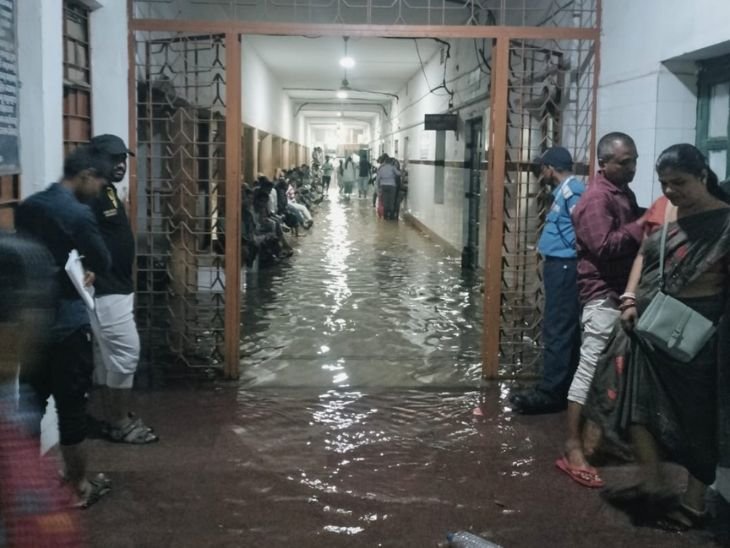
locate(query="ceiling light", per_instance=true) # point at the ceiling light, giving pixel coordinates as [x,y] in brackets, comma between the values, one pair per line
[347,62]
[341,94]
[339,114]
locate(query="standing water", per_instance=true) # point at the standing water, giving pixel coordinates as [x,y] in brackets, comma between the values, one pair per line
[364,304]
[354,424]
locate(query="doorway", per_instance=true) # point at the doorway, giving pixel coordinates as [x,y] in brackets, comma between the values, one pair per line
[175,59]
[472,203]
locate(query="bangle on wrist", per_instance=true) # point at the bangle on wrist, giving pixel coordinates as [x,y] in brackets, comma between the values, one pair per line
[628,295]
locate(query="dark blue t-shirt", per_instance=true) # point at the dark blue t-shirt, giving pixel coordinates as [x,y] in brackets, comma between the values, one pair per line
[55,218]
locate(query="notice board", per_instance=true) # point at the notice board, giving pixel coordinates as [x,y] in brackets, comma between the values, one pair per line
[9,130]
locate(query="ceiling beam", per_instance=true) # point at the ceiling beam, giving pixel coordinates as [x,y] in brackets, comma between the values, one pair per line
[365,31]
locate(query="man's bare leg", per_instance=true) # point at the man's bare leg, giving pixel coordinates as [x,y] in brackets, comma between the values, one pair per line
[574,444]
[74,460]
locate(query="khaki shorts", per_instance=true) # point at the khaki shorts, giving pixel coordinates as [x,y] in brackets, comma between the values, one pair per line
[598,320]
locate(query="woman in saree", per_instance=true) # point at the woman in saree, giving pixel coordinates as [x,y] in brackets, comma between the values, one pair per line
[665,408]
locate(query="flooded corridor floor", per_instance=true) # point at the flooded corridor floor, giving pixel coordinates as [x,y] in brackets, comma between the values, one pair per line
[353,422]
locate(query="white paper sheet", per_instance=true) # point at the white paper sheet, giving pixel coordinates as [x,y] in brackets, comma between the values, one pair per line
[75,271]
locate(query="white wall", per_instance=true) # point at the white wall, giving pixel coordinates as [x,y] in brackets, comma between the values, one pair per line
[109,72]
[653,103]
[40,69]
[406,121]
[265,105]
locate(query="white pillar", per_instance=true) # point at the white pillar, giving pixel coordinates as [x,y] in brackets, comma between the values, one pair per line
[109,71]
[40,70]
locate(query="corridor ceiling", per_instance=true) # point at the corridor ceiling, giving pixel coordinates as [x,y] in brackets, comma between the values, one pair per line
[381,64]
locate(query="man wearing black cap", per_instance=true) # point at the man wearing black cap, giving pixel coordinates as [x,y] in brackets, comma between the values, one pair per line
[561,320]
[117,346]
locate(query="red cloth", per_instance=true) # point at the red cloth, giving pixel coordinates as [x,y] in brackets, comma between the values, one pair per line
[607,237]
[381,206]
[35,509]
[655,215]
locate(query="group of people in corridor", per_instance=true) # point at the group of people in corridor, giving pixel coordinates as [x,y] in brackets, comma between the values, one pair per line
[608,265]
[632,347]
[388,179]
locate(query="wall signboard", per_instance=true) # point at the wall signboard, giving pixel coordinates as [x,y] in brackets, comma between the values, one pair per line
[9,87]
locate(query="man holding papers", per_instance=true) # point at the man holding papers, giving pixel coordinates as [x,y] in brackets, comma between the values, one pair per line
[58,218]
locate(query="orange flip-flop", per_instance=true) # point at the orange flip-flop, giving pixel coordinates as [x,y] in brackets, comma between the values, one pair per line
[585,476]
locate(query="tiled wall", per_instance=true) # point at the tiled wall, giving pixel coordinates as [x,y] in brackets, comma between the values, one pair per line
[648,73]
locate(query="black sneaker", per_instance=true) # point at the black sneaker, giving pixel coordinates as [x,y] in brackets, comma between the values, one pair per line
[535,402]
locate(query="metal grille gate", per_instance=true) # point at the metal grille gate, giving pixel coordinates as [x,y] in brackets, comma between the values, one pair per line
[543,77]
[181,107]
[550,102]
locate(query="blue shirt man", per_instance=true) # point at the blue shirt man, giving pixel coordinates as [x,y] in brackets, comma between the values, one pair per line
[561,316]
[558,235]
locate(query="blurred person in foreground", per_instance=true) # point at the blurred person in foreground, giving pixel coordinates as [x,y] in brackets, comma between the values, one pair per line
[666,408]
[34,509]
[59,219]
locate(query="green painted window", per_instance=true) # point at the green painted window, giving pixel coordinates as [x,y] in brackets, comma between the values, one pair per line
[713,114]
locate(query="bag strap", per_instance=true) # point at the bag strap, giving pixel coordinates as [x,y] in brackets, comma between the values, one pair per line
[663,244]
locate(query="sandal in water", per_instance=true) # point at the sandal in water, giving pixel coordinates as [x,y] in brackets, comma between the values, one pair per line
[98,487]
[135,432]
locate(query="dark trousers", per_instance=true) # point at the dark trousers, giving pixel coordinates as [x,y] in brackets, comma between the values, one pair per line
[561,331]
[64,372]
[389,193]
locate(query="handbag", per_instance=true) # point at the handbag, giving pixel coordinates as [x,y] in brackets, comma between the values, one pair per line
[670,325]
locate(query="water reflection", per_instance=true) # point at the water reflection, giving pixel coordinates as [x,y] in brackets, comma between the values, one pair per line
[363,304]
[361,364]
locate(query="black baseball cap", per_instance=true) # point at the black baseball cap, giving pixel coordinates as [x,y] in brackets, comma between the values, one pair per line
[110,144]
[557,157]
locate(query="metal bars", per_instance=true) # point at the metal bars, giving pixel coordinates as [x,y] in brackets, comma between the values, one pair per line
[533,104]
[181,194]
[378,12]
[550,101]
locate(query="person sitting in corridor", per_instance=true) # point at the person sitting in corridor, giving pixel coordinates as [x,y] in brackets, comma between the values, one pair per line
[273,244]
[561,316]
[298,209]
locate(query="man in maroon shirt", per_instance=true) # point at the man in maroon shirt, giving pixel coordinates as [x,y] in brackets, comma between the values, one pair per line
[609,230]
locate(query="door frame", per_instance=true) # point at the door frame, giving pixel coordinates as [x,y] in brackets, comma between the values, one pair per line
[497,138]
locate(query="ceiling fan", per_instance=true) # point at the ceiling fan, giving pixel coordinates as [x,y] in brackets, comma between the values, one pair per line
[345,88]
